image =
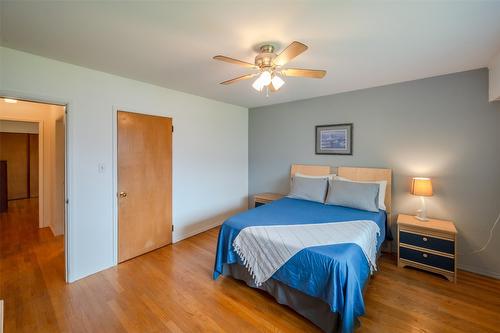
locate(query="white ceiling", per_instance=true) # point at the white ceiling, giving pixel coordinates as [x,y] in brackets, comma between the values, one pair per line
[171,44]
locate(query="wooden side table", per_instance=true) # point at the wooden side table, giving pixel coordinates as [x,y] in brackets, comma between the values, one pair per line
[265,198]
[428,245]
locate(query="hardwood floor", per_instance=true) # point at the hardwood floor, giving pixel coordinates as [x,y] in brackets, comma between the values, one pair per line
[171,290]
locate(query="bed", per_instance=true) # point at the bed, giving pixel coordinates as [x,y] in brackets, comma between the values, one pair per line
[322,283]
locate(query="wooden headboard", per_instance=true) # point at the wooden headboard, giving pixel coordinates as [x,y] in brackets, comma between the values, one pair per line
[361,174]
[310,170]
[372,174]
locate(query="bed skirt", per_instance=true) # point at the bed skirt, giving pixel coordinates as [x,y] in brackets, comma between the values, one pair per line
[309,307]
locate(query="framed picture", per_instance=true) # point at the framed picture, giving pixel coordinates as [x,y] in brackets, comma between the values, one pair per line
[334,139]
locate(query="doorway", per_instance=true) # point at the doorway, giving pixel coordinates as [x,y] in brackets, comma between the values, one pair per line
[144,171]
[33,161]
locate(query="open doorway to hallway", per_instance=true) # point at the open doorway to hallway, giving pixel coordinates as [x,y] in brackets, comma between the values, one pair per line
[32,199]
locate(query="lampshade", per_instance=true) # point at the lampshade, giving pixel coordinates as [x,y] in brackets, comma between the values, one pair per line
[421,187]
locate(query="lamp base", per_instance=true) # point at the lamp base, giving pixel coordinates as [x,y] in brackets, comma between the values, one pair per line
[422,213]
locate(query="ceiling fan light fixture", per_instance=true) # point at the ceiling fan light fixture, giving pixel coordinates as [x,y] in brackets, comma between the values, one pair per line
[269,64]
[277,82]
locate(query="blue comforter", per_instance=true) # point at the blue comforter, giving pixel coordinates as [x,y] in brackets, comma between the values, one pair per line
[335,274]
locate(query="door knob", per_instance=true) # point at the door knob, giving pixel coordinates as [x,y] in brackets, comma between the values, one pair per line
[123,194]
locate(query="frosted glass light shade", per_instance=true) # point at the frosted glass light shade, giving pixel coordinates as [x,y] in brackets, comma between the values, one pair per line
[265,78]
[257,84]
[277,82]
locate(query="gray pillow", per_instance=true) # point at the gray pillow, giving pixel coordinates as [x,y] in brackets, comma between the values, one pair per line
[312,189]
[362,196]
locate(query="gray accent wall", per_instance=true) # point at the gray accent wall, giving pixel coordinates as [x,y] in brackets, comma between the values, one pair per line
[441,127]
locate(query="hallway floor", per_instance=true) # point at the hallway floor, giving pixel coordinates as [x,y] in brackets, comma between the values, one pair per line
[30,258]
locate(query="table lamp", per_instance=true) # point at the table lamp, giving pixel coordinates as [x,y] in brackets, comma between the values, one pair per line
[421,187]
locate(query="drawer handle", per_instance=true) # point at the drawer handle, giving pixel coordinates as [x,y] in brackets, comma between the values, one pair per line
[424,255]
[424,239]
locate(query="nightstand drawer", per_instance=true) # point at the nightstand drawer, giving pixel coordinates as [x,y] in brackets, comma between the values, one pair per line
[428,242]
[427,259]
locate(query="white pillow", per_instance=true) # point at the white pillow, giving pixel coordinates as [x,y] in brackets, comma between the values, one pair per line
[381,192]
[330,176]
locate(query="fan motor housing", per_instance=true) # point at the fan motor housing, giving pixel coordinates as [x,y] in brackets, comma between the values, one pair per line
[265,57]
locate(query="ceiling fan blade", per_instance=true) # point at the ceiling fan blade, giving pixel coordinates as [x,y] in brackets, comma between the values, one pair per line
[312,73]
[234,61]
[291,51]
[240,78]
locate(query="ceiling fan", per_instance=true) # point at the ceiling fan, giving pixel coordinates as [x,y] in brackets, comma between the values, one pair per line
[269,66]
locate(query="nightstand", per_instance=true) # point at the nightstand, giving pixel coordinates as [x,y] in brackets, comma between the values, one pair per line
[265,198]
[429,245]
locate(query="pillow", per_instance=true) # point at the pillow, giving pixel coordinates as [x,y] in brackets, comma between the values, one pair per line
[381,192]
[298,174]
[312,189]
[353,194]
[330,176]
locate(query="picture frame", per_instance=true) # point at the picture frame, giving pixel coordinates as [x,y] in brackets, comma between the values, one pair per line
[334,139]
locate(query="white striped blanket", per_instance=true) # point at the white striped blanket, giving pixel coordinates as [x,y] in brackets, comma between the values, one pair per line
[264,249]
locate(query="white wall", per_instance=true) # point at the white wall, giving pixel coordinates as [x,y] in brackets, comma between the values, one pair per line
[210,150]
[8,126]
[494,74]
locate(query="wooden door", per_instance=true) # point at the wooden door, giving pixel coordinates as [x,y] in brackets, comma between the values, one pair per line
[144,183]
[14,149]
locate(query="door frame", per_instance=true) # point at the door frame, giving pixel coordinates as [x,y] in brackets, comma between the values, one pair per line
[114,121]
[68,161]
